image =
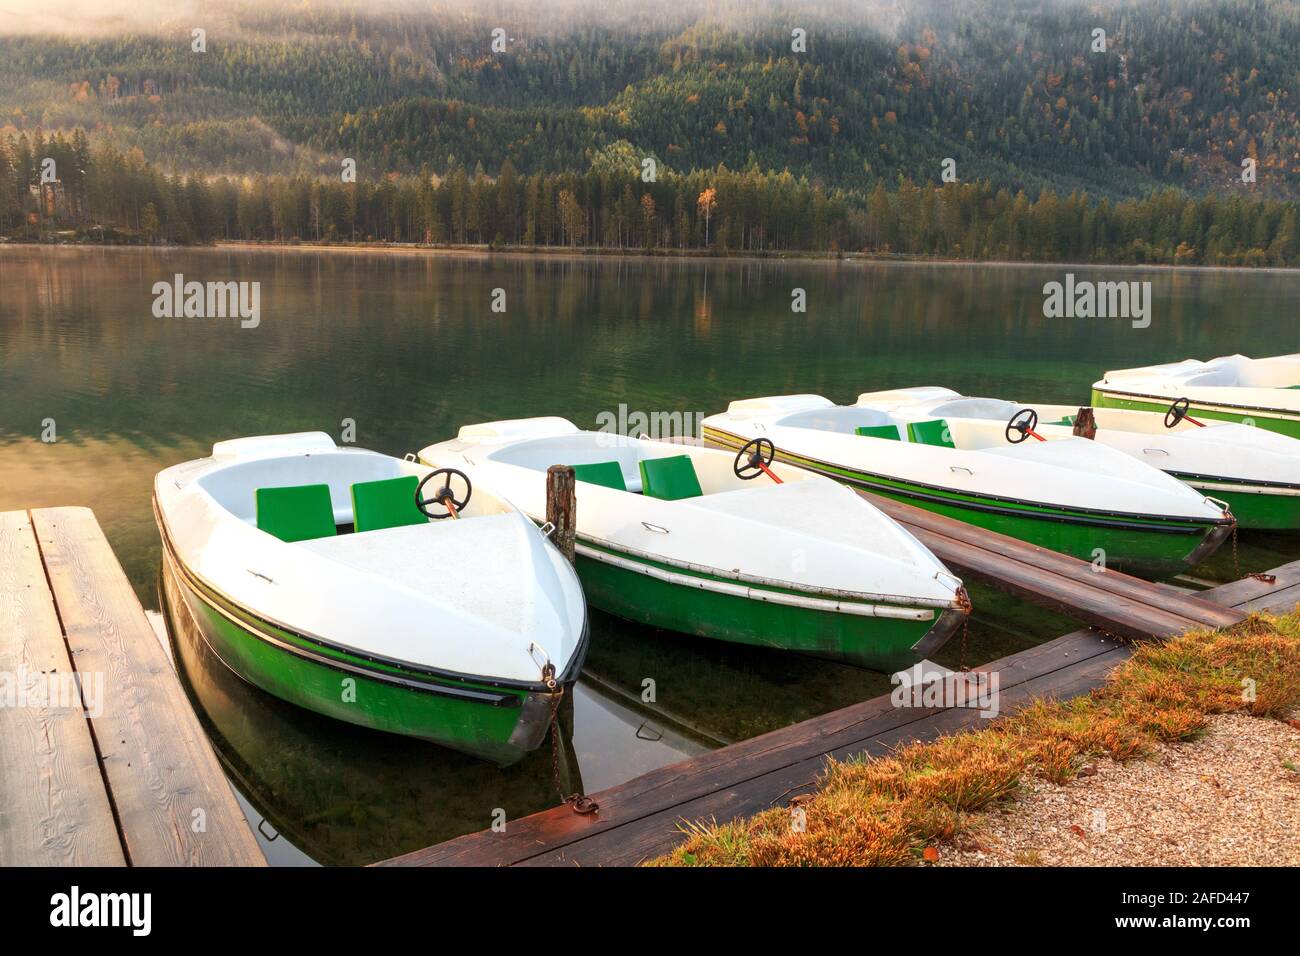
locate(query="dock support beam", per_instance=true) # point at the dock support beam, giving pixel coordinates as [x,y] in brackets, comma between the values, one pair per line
[562,508]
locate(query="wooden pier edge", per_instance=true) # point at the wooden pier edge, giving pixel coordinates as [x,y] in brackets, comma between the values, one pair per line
[126,776]
[644,817]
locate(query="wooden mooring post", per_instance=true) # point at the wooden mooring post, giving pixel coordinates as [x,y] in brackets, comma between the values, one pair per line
[1085,423]
[562,508]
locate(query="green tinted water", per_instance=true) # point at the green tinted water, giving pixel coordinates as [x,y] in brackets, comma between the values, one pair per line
[409,348]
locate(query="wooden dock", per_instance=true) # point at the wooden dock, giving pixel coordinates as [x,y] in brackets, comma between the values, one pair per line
[104,761]
[642,818]
[1116,603]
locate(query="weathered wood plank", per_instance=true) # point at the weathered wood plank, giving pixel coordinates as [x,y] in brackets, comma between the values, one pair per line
[658,833]
[1064,594]
[987,553]
[642,817]
[174,806]
[54,808]
[1242,592]
[691,779]
[1279,602]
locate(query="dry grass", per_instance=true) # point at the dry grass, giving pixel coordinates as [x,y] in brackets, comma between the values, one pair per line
[888,812]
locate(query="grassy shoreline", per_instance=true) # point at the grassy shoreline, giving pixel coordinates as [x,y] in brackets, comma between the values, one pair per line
[900,809]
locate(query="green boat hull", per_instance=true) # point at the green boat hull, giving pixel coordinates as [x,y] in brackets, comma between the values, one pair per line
[1257,509]
[486,719]
[1258,418]
[881,643]
[1147,546]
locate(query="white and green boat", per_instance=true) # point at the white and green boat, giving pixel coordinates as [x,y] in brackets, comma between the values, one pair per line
[1074,496]
[322,575]
[1232,388]
[1257,472]
[705,542]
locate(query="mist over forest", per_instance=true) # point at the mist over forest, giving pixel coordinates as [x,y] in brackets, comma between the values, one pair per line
[1117,100]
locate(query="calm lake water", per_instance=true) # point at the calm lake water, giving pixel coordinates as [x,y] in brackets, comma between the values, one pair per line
[409,347]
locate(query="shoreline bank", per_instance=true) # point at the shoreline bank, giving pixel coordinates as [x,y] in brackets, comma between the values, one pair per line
[693,256]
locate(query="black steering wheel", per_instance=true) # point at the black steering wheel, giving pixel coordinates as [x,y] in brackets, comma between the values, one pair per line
[443,494]
[753,458]
[1023,423]
[1177,412]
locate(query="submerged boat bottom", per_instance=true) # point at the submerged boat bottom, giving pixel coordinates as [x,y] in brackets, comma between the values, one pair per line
[496,723]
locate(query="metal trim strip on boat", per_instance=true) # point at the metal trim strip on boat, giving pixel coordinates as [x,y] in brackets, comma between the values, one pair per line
[440,690]
[1078,516]
[737,575]
[757,594]
[570,673]
[1282,488]
[1286,414]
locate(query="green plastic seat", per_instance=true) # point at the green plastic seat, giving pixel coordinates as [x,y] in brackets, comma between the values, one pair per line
[879,431]
[296,513]
[607,473]
[386,503]
[670,479]
[934,432]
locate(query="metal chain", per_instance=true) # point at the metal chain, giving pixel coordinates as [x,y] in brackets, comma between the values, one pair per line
[1236,562]
[580,802]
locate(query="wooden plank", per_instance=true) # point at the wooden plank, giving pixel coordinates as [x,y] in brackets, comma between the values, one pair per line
[1279,602]
[174,806]
[1242,592]
[658,833]
[698,776]
[642,817]
[1066,595]
[928,526]
[54,808]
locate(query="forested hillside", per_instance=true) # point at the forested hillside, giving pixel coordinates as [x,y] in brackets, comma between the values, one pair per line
[835,144]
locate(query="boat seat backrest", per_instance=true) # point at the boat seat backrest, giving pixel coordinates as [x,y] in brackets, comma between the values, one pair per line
[606,473]
[934,432]
[386,503]
[295,512]
[670,479]
[879,431]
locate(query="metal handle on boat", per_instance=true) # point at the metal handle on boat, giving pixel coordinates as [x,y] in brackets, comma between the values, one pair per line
[1227,508]
[1155,451]
[548,529]
[960,468]
[940,575]
[544,661]
[410,456]
[654,527]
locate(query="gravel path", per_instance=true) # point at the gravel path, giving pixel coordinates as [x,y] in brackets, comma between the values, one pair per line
[1226,799]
